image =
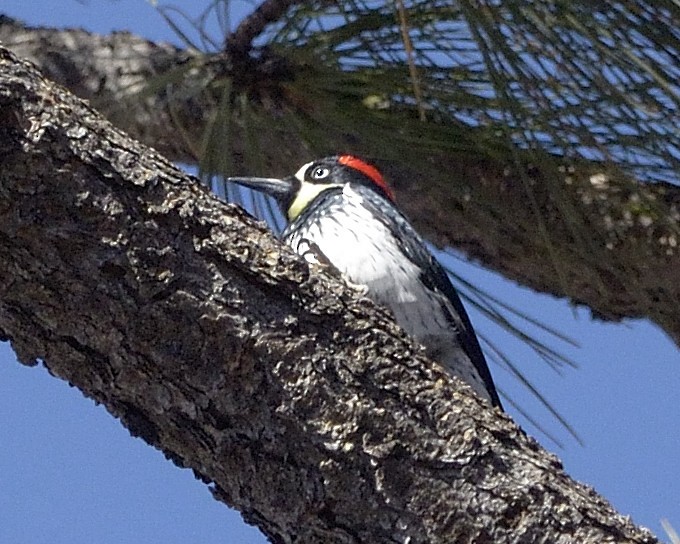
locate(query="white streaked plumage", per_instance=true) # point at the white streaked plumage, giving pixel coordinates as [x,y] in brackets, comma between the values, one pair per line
[342,213]
[350,235]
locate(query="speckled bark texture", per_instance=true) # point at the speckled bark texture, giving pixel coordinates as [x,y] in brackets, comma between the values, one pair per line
[301,403]
[600,239]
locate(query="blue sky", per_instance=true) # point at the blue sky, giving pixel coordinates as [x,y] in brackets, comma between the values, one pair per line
[70,473]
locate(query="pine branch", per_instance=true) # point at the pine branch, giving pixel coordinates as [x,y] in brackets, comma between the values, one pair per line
[612,230]
[241,40]
[300,402]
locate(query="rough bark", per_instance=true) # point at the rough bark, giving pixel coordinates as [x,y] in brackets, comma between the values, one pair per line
[600,239]
[299,401]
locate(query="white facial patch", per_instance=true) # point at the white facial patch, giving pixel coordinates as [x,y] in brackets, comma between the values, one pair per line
[300,174]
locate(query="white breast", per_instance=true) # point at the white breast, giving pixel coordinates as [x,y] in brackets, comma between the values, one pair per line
[366,251]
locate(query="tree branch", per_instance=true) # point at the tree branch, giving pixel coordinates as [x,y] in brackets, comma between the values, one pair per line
[269,11]
[113,73]
[603,229]
[301,402]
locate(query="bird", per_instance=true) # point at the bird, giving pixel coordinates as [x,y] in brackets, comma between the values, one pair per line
[342,210]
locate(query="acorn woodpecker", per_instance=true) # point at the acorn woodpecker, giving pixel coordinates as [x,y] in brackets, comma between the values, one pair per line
[342,209]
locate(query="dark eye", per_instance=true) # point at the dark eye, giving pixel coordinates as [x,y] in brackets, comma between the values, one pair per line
[320,172]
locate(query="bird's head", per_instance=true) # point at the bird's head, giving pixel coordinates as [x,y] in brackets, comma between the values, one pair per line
[297,192]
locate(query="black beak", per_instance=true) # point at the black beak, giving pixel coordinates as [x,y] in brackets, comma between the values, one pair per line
[281,189]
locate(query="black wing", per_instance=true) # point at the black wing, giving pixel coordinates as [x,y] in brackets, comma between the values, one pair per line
[434,277]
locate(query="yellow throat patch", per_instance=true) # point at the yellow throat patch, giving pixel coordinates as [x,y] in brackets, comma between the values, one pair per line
[307,193]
